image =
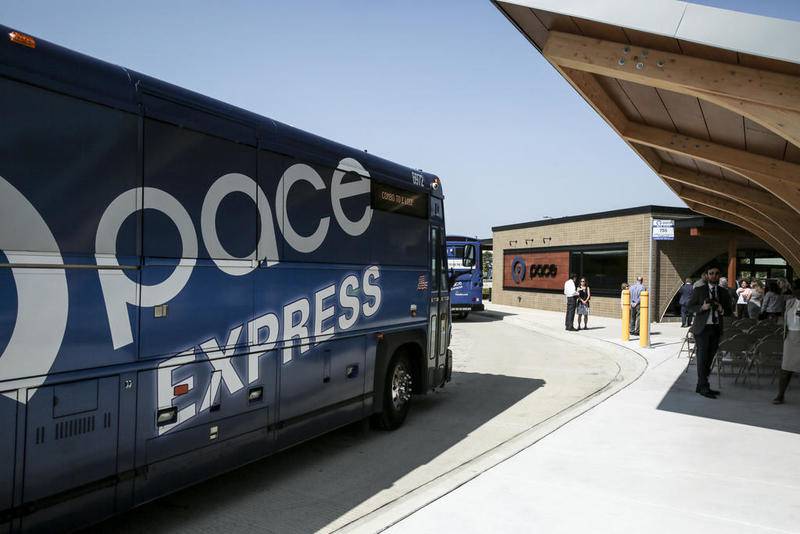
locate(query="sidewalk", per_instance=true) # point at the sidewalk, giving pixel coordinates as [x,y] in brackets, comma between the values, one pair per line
[653,457]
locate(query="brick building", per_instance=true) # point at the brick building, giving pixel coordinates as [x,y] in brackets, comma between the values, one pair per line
[533,260]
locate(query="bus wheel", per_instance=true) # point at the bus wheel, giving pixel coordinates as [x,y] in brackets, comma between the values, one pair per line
[464,315]
[396,394]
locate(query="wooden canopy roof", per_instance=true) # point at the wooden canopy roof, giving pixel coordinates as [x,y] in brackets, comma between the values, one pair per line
[708,98]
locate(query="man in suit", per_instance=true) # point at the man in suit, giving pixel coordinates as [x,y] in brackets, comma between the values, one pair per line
[684,296]
[709,303]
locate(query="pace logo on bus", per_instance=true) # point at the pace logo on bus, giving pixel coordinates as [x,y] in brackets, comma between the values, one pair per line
[32,350]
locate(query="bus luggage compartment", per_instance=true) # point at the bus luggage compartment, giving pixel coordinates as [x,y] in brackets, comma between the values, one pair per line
[219,421]
[71,444]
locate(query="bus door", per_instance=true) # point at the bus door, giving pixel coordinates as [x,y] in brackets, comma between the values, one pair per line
[8,415]
[439,311]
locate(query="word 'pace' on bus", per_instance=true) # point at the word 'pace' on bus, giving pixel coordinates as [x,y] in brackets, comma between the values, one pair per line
[186,287]
[465,270]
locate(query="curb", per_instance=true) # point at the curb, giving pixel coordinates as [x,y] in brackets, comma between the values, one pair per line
[630,367]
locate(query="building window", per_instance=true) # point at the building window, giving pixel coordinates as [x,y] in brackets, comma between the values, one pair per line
[605,270]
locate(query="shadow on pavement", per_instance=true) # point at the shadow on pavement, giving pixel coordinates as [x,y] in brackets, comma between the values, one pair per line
[307,487]
[748,404]
[484,317]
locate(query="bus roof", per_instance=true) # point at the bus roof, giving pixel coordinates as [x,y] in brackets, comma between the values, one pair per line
[63,70]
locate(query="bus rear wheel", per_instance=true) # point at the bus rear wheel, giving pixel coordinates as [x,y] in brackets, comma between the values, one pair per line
[396,394]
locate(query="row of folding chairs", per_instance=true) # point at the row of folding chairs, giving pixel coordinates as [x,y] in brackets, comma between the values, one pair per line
[749,352]
[746,346]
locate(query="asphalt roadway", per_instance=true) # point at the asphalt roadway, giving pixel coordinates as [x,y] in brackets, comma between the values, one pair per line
[511,386]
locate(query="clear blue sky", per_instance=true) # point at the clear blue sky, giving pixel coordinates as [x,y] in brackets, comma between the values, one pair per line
[448,86]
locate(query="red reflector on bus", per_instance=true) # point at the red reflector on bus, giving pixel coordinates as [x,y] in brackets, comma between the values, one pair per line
[180,389]
[21,38]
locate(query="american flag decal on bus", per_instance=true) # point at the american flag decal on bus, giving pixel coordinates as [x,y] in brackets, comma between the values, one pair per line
[422,284]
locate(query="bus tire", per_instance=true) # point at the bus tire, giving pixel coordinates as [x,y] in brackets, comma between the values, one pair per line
[396,393]
[464,315]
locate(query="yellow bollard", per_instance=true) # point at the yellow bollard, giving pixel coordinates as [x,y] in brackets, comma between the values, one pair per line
[626,315]
[644,319]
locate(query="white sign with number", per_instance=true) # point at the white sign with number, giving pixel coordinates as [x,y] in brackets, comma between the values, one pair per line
[663,229]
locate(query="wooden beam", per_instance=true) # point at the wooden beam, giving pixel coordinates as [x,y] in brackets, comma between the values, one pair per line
[759,199]
[742,209]
[712,208]
[757,196]
[781,178]
[673,71]
[783,122]
[783,218]
[588,87]
[779,236]
[769,98]
[591,90]
[742,223]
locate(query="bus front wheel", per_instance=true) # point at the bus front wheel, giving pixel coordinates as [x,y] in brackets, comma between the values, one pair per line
[396,394]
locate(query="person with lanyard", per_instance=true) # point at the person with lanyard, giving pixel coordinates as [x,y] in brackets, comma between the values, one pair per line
[709,303]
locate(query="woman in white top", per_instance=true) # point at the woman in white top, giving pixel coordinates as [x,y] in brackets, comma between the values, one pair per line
[791,343]
[743,291]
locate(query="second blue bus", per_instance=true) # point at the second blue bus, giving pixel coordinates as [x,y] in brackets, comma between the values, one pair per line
[464,261]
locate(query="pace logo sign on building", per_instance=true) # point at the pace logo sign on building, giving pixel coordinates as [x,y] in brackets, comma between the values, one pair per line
[535,270]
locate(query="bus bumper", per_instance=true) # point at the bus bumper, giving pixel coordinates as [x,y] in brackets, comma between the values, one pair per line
[456,308]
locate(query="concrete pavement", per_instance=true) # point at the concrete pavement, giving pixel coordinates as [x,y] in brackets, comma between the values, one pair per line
[540,430]
[655,457]
[510,387]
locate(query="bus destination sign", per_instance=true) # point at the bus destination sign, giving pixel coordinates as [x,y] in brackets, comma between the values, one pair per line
[395,200]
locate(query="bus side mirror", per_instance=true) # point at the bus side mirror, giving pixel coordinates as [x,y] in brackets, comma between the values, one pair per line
[469,256]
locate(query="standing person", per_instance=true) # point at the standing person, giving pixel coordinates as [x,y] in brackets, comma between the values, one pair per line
[709,304]
[572,299]
[791,343]
[742,296]
[785,288]
[584,294]
[684,296]
[623,287]
[756,297]
[772,306]
[636,292]
[723,283]
[703,280]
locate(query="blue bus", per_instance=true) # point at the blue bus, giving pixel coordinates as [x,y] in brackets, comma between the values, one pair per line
[186,287]
[465,275]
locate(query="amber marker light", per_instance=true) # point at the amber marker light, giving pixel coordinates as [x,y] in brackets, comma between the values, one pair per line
[21,38]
